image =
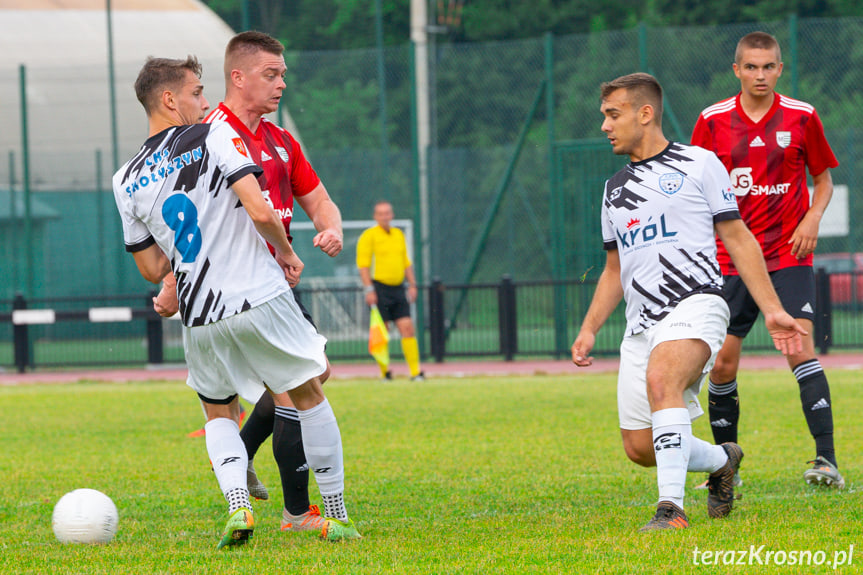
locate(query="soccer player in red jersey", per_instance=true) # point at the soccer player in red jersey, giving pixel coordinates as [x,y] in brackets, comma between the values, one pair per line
[767,141]
[254,81]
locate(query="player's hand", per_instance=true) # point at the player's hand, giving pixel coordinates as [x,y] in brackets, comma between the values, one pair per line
[371,298]
[412,294]
[165,303]
[581,348]
[805,236]
[330,241]
[292,266]
[786,332]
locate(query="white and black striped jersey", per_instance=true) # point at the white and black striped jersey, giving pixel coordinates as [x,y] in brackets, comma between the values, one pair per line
[659,215]
[176,193]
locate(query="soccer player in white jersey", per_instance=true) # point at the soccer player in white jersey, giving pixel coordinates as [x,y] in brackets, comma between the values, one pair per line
[190,204]
[659,214]
[254,82]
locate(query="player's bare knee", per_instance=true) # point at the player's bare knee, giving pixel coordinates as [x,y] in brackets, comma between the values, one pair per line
[723,371]
[657,391]
[640,458]
[638,455]
[222,410]
[282,399]
[308,395]
[807,354]
[797,358]
[638,446]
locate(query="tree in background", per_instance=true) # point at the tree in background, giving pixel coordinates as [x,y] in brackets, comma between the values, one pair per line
[347,24]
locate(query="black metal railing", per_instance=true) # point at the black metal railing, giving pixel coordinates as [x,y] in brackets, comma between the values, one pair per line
[507,319]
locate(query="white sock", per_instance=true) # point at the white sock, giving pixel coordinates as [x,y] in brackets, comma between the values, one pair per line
[322,443]
[228,456]
[704,456]
[672,435]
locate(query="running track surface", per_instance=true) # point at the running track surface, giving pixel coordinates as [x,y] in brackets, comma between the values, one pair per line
[562,367]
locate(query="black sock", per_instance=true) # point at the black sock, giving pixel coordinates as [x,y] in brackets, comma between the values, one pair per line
[291,458]
[724,410]
[259,424]
[815,399]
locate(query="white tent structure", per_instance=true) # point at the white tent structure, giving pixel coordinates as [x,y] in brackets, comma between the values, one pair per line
[63,45]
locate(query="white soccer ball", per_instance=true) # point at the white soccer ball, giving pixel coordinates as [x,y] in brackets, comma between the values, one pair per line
[85,516]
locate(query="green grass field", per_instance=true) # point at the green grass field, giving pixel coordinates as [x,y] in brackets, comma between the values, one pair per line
[476,475]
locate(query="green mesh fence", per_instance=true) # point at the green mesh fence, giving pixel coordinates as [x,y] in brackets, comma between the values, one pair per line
[361,138]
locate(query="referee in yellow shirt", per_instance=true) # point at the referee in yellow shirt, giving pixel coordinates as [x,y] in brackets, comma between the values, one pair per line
[385,286]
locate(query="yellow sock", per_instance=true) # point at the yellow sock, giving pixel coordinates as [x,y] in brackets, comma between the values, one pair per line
[411,349]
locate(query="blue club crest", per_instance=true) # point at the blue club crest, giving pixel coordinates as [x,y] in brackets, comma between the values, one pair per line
[670,183]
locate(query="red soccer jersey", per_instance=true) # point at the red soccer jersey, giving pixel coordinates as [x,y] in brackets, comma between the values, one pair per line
[767,162]
[287,173]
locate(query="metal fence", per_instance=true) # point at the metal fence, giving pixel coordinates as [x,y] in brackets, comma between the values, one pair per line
[506,319]
[515,166]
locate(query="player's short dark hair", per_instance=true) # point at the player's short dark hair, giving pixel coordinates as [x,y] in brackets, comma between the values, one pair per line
[642,88]
[248,43]
[159,74]
[758,40]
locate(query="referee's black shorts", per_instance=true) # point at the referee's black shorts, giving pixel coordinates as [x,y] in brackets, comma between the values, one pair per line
[795,287]
[392,301]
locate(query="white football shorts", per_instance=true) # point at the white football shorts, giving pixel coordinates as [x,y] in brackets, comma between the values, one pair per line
[270,344]
[701,316]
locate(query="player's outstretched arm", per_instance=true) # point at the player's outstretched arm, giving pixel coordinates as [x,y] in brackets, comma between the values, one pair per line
[746,254]
[608,294]
[327,219]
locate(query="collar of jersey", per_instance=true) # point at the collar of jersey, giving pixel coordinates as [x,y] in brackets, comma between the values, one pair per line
[764,118]
[650,159]
[236,123]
